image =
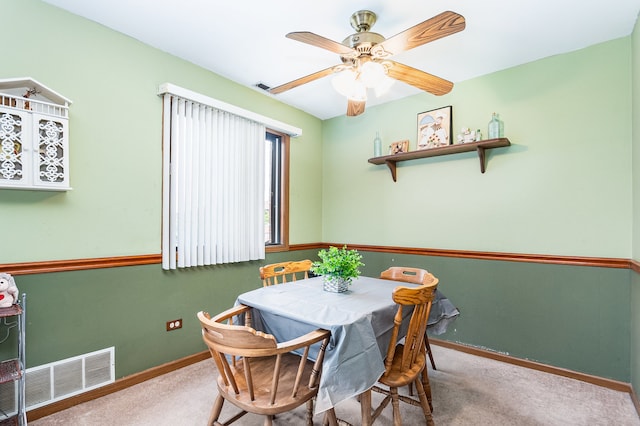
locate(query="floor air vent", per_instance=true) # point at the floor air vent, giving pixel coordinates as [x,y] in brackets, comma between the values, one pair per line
[61,379]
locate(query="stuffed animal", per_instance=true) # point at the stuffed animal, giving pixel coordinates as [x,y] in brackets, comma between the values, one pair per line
[8,291]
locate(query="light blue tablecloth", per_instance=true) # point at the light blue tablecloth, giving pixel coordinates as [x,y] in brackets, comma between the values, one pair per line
[442,314]
[360,321]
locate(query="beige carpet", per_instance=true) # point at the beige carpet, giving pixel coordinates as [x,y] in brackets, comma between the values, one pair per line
[467,390]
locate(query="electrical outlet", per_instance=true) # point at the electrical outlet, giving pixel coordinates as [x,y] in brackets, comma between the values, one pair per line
[174,324]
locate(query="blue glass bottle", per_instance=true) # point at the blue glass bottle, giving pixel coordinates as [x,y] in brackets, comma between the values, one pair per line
[377,146]
[495,127]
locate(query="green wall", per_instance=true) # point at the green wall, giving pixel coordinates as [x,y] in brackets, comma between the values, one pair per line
[73,313]
[634,320]
[569,317]
[115,130]
[563,188]
[635,284]
[574,318]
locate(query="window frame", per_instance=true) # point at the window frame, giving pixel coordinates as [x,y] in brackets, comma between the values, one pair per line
[283,245]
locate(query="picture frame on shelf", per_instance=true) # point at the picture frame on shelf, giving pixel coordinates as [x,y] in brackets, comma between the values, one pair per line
[434,128]
[399,147]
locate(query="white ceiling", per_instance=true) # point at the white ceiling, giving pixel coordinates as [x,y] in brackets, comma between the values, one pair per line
[244,40]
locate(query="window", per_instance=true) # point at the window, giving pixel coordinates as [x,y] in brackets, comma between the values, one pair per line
[276,203]
[213,192]
[213,186]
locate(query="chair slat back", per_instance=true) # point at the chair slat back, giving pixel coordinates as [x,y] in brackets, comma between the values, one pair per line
[240,339]
[258,370]
[282,272]
[420,299]
[407,275]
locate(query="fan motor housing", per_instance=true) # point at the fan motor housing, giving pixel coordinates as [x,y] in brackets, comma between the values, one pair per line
[362,42]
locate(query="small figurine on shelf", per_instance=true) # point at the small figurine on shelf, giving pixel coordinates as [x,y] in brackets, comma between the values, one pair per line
[8,291]
[466,135]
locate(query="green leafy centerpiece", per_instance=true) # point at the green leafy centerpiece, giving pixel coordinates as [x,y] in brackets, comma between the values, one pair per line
[338,267]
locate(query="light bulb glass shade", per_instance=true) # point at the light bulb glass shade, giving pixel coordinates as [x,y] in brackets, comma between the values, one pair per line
[383,86]
[372,74]
[359,92]
[343,81]
[349,85]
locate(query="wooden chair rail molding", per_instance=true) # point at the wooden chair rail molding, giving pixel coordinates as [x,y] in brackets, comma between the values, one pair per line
[147,259]
[78,264]
[602,262]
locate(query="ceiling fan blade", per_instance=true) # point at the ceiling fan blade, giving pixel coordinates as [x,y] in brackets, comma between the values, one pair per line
[420,79]
[355,108]
[439,26]
[322,42]
[300,81]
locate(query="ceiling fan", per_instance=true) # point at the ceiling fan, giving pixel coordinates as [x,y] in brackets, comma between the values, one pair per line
[365,58]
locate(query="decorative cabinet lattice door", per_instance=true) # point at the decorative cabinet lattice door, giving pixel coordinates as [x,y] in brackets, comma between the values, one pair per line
[34,138]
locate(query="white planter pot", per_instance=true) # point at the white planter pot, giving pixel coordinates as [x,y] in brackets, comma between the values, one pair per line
[335,284]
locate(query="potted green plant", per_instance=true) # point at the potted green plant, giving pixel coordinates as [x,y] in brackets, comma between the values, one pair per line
[338,267]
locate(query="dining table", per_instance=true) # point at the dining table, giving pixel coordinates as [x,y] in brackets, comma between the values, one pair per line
[360,320]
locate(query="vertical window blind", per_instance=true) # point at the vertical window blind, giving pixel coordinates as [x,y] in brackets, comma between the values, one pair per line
[213,185]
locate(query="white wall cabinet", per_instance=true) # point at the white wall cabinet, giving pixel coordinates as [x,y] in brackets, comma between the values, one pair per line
[34,136]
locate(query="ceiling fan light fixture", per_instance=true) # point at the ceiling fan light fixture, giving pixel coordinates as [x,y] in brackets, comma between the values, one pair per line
[358,91]
[348,84]
[383,86]
[372,74]
[353,84]
[343,81]
[366,54]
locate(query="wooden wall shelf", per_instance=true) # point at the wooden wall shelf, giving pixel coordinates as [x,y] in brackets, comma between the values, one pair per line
[391,160]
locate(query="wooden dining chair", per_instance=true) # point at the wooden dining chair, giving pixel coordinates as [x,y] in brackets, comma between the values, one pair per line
[405,363]
[416,276]
[277,273]
[259,375]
